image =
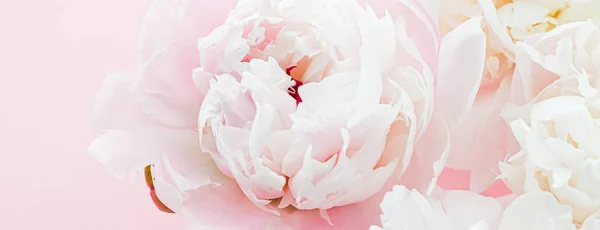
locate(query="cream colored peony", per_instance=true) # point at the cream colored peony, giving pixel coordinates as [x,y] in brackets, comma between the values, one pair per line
[558,127]
[506,23]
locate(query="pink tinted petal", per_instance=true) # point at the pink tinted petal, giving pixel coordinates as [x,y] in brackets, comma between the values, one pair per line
[358,215]
[165,91]
[545,58]
[114,107]
[482,140]
[225,207]
[180,21]
[420,24]
[499,31]
[529,65]
[168,55]
[223,48]
[129,151]
[428,160]
[461,64]
[188,182]
[217,205]
[119,152]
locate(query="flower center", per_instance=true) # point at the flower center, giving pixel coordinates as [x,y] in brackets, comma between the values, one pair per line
[293,91]
[534,17]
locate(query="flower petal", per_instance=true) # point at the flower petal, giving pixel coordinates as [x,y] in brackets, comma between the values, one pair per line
[465,209]
[168,55]
[428,160]
[461,64]
[536,211]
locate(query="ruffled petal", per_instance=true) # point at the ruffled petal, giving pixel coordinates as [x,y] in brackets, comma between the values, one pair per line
[168,55]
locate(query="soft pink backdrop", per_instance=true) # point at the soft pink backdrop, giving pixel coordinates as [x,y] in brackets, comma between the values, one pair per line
[54,55]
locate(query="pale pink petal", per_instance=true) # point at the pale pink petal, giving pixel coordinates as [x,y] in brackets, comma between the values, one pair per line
[168,55]
[428,160]
[544,58]
[214,199]
[461,64]
[117,150]
[474,146]
[114,107]
[482,140]
[498,29]
[419,21]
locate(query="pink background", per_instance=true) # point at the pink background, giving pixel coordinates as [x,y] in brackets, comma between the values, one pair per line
[54,55]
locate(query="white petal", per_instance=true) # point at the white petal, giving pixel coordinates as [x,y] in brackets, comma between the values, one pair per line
[536,211]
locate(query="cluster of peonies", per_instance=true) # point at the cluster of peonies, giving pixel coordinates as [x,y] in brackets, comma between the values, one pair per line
[342,114]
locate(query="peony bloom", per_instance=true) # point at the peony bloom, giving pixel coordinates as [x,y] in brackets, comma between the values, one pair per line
[311,111]
[457,210]
[286,114]
[557,128]
[510,21]
[506,23]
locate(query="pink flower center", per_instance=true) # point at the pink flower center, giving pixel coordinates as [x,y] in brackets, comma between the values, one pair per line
[293,91]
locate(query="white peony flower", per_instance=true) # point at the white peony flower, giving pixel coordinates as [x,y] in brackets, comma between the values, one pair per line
[287,114]
[511,26]
[560,152]
[301,98]
[511,21]
[559,127]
